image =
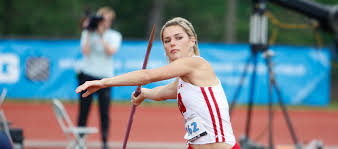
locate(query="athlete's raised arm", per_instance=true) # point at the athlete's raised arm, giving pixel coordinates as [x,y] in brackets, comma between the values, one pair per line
[177,68]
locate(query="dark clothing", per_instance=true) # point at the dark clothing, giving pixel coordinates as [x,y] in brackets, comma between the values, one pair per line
[104,104]
[5,143]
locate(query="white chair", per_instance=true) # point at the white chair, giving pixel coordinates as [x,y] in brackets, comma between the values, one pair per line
[2,116]
[75,135]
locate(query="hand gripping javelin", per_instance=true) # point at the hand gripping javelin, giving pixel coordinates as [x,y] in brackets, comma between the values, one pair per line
[138,89]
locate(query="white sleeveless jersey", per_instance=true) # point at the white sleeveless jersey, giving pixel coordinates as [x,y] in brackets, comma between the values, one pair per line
[211,105]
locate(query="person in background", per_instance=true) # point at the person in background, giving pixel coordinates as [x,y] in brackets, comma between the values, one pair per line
[98,45]
[200,95]
[85,20]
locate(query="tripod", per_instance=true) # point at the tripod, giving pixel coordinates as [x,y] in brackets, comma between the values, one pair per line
[258,38]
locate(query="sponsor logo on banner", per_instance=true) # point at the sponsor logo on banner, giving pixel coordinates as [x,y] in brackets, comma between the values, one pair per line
[9,68]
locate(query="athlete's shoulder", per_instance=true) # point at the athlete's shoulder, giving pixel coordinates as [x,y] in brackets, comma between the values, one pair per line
[192,59]
[189,61]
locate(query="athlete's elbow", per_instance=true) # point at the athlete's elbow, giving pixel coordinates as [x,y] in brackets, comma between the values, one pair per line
[161,99]
[145,78]
[143,82]
[148,77]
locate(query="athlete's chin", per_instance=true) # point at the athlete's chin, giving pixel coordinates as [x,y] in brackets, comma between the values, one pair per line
[174,57]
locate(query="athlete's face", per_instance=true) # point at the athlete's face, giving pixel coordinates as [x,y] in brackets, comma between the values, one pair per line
[177,43]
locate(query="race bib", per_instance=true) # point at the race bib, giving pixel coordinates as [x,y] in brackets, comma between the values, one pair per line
[195,129]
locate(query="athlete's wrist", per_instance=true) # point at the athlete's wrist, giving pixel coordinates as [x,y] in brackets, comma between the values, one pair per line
[145,93]
[105,82]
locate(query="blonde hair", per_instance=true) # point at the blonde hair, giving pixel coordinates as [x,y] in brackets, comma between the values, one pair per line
[106,9]
[187,27]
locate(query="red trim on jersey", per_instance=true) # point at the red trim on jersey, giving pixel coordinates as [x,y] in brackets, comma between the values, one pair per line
[236,146]
[190,147]
[210,111]
[180,104]
[218,113]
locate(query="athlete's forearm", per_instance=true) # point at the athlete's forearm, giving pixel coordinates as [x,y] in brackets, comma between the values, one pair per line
[154,94]
[140,77]
[143,77]
[161,93]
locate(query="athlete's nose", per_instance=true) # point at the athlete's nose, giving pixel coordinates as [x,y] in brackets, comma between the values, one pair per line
[172,44]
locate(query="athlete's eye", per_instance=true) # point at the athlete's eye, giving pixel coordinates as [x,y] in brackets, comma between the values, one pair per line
[179,38]
[166,40]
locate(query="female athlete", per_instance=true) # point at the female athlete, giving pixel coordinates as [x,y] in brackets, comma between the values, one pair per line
[199,93]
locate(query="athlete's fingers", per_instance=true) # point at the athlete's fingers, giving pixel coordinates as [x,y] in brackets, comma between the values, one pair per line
[85,86]
[90,90]
[135,100]
[79,89]
[82,87]
[87,93]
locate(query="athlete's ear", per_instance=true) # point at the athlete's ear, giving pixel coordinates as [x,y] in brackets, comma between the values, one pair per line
[192,41]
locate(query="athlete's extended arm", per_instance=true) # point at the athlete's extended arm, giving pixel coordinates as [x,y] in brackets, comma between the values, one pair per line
[159,93]
[177,68]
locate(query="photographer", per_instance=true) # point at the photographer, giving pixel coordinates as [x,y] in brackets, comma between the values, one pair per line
[98,44]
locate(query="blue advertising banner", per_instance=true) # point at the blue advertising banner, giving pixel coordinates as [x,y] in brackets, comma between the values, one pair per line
[44,69]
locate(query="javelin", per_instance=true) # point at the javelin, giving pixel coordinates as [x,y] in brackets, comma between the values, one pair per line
[138,89]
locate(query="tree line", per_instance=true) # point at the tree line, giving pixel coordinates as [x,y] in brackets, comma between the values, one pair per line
[215,20]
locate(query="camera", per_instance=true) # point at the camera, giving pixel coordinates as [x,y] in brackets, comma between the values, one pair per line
[94,21]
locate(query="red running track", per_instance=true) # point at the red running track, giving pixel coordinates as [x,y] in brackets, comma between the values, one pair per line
[165,123]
